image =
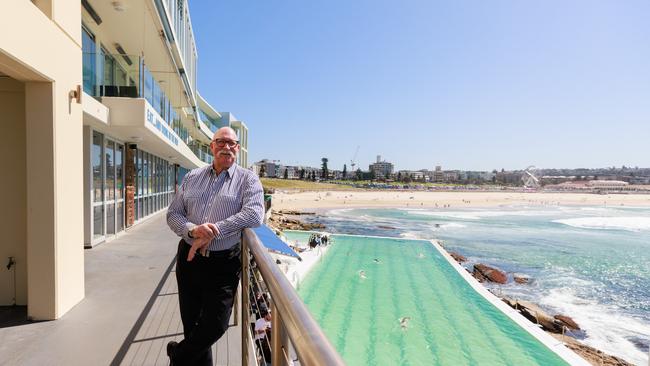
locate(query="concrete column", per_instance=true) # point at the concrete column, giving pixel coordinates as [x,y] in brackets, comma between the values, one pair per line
[41,251]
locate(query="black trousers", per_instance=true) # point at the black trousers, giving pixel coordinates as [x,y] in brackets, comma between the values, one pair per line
[206,290]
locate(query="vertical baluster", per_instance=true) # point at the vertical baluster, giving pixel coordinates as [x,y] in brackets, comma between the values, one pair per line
[245,303]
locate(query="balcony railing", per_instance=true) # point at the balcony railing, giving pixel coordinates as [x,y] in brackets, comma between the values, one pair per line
[292,323]
[202,151]
[127,76]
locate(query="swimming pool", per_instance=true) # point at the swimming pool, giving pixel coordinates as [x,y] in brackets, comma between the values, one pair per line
[387,301]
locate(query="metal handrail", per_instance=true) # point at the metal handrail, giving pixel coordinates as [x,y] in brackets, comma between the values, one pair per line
[290,315]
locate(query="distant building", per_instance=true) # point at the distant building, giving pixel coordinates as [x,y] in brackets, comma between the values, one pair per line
[438,175]
[607,184]
[381,169]
[451,176]
[415,175]
[271,168]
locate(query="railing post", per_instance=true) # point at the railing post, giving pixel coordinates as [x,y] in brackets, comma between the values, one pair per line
[279,340]
[245,303]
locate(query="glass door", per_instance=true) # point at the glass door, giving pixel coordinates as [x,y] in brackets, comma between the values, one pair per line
[97,154]
[109,187]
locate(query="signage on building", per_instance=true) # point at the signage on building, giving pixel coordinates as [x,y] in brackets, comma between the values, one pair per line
[161,125]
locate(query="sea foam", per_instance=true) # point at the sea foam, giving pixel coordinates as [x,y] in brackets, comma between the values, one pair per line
[606,327]
[630,223]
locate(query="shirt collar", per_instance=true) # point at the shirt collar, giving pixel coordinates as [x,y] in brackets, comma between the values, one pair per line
[230,170]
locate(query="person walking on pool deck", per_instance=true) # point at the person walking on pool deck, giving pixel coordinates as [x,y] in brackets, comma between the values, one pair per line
[209,211]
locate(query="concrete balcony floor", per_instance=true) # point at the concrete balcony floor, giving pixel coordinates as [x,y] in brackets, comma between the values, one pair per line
[129,313]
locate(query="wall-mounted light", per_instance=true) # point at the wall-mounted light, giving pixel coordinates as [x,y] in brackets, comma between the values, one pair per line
[121,51]
[75,94]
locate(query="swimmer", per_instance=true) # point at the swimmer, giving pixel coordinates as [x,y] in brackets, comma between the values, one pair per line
[362,274]
[420,255]
[404,322]
[376,260]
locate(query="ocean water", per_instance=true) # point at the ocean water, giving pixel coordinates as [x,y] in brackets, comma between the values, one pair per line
[385,301]
[591,263]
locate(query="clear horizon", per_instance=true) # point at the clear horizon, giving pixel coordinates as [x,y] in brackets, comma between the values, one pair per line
[464,85]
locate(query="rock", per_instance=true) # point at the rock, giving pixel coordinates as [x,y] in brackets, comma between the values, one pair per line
[458,257]
[386,227]
[536,315]
[521,278]
[567,321]
[592,355]
[483,272]
[510,302]
[294,213]
[286,223]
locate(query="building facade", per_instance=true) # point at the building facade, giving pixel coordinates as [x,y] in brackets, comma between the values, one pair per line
[101,121]
[381,168]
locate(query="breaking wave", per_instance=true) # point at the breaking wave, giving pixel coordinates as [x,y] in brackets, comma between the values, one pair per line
[609,223]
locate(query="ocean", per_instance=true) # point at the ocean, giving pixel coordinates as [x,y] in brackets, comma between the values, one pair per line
[590,263]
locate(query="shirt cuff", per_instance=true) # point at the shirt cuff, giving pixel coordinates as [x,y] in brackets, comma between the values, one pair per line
[186,235]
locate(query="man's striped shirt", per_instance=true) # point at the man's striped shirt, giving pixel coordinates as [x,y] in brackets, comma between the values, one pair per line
[232,200]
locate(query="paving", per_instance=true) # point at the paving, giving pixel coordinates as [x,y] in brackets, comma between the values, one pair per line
[128,315]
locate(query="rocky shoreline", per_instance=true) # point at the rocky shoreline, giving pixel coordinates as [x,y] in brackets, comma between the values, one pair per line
[285,220]
[560,326]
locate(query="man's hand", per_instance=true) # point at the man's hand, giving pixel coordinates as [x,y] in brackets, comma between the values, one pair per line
[202,234]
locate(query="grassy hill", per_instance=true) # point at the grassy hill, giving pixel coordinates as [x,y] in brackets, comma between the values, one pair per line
[302,185]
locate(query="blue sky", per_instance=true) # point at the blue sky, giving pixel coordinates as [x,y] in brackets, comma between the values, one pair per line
[472,85]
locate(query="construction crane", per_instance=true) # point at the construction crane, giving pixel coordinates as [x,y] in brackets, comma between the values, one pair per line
[354,158]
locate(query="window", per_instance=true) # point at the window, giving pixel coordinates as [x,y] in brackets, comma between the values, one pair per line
[88,60]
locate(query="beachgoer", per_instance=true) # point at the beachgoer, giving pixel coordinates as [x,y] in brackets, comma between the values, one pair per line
[404,322]
[263,336]
[362,274]
[209,211]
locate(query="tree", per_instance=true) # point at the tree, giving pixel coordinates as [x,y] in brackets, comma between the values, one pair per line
[286,173]
[313,176]
[262,171]
[302,173]
[345,171]
[358,174]
[324,173]
[399,176]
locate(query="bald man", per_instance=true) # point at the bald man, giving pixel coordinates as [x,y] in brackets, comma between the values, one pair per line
[209,211]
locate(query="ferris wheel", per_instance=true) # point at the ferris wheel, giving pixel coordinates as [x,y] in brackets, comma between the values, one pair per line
[531,177]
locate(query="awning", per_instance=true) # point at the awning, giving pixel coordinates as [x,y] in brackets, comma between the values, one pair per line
[273,243]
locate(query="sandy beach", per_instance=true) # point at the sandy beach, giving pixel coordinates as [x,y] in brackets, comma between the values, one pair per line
[321,200]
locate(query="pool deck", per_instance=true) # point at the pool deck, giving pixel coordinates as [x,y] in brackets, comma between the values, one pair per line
[129,313]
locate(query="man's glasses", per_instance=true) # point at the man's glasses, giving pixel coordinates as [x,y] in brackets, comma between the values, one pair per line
[222,143]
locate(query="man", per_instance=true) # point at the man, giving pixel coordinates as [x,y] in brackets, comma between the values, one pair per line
[262,326]
[209,211]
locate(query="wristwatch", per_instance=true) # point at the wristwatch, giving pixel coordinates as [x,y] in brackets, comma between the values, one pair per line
[189,233]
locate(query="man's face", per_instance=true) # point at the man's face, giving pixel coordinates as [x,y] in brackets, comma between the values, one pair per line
[224,148]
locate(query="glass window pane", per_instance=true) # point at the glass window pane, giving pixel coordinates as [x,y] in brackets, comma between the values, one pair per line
[88,61]
[110,170]
[98,221]
[140,172]
[119,171]
[120,216]
[98,167]
[110,219]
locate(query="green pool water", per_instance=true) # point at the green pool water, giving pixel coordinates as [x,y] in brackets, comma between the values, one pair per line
[450,323]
